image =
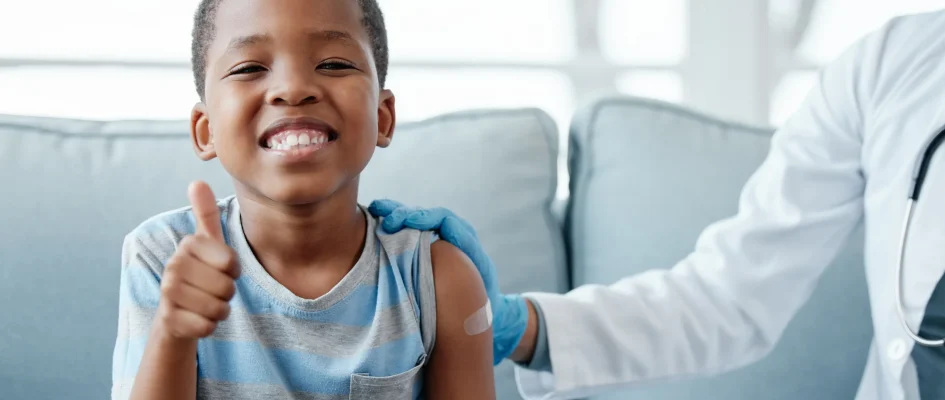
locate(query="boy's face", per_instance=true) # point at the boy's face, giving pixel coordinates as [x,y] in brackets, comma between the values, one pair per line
[281,73]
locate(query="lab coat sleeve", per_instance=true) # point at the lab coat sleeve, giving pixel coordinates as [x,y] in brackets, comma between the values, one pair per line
[727,303]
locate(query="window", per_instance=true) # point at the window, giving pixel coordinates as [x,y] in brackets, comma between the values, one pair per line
[124,60]
[465,65]
[118,59]
[832,31]
[105,93]
[116,30]
[644,31]
[649,34]
[660,85]
[494,31]
[115,59]
[423,92]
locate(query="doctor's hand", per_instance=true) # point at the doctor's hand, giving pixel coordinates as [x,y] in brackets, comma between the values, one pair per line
[510,312]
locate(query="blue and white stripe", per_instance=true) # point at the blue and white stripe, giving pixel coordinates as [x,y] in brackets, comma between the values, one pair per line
[369,336]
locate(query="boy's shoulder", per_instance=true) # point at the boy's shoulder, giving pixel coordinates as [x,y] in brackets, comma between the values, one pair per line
[402,240]
[177,222]
[159,235]
[406,250]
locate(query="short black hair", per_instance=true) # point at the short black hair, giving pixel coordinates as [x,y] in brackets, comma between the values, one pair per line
[371,18]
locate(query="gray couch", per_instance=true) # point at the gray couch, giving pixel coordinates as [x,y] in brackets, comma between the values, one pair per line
[646,177]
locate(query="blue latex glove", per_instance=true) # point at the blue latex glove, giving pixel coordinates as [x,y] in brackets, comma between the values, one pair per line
[509,312]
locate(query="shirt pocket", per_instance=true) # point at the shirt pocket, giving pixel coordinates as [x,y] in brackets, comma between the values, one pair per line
[394,387]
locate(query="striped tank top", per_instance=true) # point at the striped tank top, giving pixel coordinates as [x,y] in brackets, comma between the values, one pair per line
[369,337]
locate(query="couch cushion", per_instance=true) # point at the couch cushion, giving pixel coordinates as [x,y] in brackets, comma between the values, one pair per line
[670,173]
[75,188]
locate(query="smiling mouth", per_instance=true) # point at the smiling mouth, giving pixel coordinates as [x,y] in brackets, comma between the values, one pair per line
[295,139]
[291,135]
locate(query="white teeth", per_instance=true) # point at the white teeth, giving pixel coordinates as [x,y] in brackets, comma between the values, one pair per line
[296,141]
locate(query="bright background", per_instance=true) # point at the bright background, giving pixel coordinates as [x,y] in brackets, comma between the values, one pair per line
[747,60]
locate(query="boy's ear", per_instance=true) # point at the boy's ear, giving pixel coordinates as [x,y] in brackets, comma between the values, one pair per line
[200,134]
[386,118]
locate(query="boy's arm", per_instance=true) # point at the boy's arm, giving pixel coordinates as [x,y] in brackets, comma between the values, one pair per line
[139,292]
[461,364]
[169,368]
[148,363]
[141,344]
[172,312]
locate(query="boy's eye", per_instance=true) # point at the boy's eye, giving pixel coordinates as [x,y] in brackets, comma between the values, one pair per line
[247,69]
[335,65]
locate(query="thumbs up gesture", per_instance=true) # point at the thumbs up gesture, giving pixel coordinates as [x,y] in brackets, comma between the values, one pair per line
[199,279]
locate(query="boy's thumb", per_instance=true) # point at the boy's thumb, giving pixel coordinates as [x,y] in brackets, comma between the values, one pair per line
[206,213]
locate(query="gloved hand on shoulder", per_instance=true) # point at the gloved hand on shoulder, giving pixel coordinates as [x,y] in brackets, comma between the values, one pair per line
[510,312]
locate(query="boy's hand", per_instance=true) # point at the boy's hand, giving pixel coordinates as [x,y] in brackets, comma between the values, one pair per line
[199,279]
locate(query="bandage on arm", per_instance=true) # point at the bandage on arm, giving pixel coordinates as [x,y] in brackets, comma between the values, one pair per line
[460,365]
[479,321]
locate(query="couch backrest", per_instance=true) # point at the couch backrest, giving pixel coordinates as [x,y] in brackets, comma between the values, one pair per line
[73,189]
[646,179]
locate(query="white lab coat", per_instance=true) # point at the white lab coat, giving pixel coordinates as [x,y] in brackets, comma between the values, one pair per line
[846,156]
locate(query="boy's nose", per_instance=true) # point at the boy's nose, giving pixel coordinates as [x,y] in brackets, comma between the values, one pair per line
[294,91]
[291,100]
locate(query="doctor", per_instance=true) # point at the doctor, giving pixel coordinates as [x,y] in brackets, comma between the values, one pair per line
[846,156]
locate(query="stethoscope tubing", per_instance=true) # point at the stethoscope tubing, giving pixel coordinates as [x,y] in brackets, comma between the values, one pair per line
[918,180]
[903,239]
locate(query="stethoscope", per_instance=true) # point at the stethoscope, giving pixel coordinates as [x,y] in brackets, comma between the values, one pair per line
[918,178]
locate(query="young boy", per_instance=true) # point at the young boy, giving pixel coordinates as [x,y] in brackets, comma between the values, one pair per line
[289,289]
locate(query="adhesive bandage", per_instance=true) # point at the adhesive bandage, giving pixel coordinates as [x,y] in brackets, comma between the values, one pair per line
[480,321]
